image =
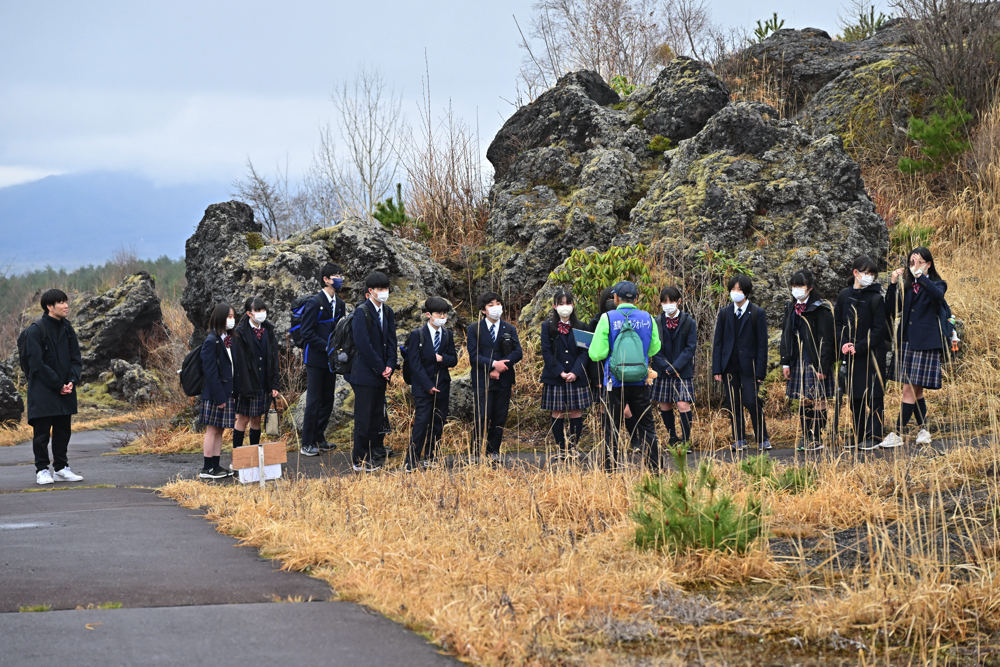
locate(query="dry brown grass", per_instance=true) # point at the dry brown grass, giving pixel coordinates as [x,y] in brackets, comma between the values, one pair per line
[13,435]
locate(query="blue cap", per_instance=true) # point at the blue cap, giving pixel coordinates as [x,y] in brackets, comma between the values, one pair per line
[626,290]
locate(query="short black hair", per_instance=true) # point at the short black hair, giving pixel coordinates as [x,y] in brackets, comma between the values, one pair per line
[865,264]
[436,304]
[805,278]
[746,285]
[217,320]
[670,293]
[254,303]
[51,297]
[330,269]
[377,280]
[486,297]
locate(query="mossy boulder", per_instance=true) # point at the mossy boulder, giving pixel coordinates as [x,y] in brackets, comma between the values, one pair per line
[132,383]
[11,401]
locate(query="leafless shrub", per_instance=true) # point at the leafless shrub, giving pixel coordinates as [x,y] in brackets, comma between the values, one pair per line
[124,262]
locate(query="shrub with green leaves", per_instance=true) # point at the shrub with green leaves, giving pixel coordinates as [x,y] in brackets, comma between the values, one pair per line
[677,513]
[660,144]
[621,86]
[941,138]
[764,29]
[587,274]
[392,214]
[865,25]
[762,470]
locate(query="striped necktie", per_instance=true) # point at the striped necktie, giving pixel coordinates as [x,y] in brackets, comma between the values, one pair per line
[493,332]
[437,340]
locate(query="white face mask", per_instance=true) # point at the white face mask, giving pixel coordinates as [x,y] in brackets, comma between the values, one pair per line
[736,296]
[866,280]
[669,309]
[230,324]
[260,317]
[439,321]
[382,297]
[494,312]
[799,293]
[564,311]
[916,272]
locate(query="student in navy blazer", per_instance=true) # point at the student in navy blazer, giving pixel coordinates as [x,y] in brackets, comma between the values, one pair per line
[566,385]
[494,348]
[919,338]
[431,381]
[739,360]
[375,341]
[319,317]
[217,406]
[674,365]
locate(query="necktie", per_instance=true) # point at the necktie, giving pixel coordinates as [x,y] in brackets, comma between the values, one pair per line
[672,322]
[493,332]
[800,308]
[228,340]
[739,313]
[380,322]
[437,340]
[564,327]
[916,287]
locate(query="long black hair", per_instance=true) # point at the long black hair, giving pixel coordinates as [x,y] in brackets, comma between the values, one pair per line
[804,278]
[925,255]
[607,294]
[557,300]
[217,320]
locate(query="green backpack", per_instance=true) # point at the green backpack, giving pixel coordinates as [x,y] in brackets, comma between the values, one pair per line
[628,362]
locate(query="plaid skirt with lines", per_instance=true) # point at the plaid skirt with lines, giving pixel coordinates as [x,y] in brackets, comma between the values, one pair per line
[565,397]
[672,389]
[213,415]
[252,405]
[803,383]
[921,368]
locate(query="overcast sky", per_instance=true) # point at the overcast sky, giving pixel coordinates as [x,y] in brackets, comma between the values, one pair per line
[182,91]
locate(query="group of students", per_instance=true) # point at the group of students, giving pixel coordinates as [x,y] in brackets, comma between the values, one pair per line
[240,365]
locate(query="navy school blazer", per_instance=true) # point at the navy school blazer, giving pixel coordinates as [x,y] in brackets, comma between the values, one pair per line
[376,346]
[218,370]
[676,355]
[747,339]
[482,353]
[561,355]
[318,320]
[919,314]
[427,371]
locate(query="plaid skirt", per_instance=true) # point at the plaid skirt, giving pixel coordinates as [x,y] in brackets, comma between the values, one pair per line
[565,397]
[213,415]
[253,405]
[672,389]
[921,368]
[803,383]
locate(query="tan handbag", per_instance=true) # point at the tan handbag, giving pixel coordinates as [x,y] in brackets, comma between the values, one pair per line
[271,425]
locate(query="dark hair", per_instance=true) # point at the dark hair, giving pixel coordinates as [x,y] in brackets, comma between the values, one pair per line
[804,278]
[670,293]
[557,299]
[746,285]
[436,304]
[925,255]
[485,298]
[607,294]
[329,270]
[865,264]
[217,320]
[51,297]
[377,280]
[252,303]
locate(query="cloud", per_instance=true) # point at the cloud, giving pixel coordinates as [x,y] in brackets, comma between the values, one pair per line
[15,175]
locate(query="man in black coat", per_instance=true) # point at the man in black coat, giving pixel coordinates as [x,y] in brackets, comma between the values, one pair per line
[319,318]
[54,365]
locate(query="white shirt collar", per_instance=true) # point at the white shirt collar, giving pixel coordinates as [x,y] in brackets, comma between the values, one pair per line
[430,328]
[737,309]
[328,297]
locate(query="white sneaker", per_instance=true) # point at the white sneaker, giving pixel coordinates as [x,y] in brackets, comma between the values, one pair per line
[43,477]
[923,437]
[66,475]
[891,440]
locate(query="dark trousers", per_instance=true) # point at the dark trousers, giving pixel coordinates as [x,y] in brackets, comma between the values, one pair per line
[321,390]
[637,399]
[741,392]
[60,428]
[491,417]
[869,417]
[369,408]
[428,424]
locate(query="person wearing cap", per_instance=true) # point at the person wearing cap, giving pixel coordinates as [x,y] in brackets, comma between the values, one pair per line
[634,395]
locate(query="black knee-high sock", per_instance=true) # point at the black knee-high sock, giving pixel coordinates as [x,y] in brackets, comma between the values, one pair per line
[686,427]
[215,461]
[905,414]
[208,463]
[558,433]
[254,436]
[575,431]
[921,413]
[238,438]
[819,421]
[805,417]
[668,421]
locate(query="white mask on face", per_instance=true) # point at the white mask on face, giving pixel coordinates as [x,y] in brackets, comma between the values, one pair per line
[230,324]
[736,296]
[799,293]
[382,296]
[439,321]
[866,280]
[260,317]
[916,272]
[494,312]
[669,309]
[564,311]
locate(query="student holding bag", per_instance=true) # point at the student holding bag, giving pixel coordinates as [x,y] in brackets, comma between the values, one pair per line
[257,370]
[919,338]
[565,385]
[217,406]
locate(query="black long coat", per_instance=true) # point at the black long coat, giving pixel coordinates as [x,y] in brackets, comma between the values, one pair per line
[256,361]
[51,365]
[860,319]
[814,333]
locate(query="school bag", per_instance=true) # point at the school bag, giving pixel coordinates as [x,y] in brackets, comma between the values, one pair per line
[341,343]
[22,346]
[295,319]
[191,374]
[628,361]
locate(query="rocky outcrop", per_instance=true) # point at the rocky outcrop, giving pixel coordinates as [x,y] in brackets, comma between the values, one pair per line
[569,168]
[132,383]
[118,324]
[228,259]
[11,401]
[342,413]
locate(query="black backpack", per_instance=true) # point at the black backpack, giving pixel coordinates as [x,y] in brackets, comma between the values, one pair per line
[342,342]
[295,319]
[407,368]
[192,374]
[22,346]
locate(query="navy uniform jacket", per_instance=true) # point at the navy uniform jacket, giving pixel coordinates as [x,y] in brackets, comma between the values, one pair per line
[920,314]
[376,346]
[218,370]
[257,361]
[561,355]
[859,317]
[814,334]
[318,320]
[482,353]
[427,371]
[676,355]
[747,339]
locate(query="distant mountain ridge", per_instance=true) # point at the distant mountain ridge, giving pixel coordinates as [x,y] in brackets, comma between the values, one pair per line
[73,220]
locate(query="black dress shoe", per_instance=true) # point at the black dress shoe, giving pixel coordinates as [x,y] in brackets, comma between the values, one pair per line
[325,447]
[310,450]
